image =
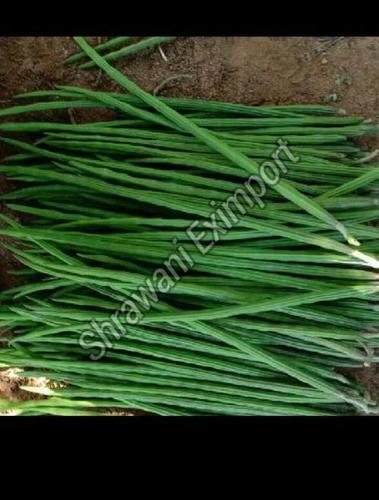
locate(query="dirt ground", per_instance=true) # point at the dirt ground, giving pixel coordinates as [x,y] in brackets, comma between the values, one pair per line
[343,71]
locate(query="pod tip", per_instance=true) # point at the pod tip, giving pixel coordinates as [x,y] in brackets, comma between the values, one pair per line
[44,391]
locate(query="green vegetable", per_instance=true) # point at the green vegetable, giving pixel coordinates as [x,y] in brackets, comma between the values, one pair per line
[102,47]
[132,49]
[258,324]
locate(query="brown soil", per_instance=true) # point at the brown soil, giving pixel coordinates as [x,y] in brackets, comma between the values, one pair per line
[257,70]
